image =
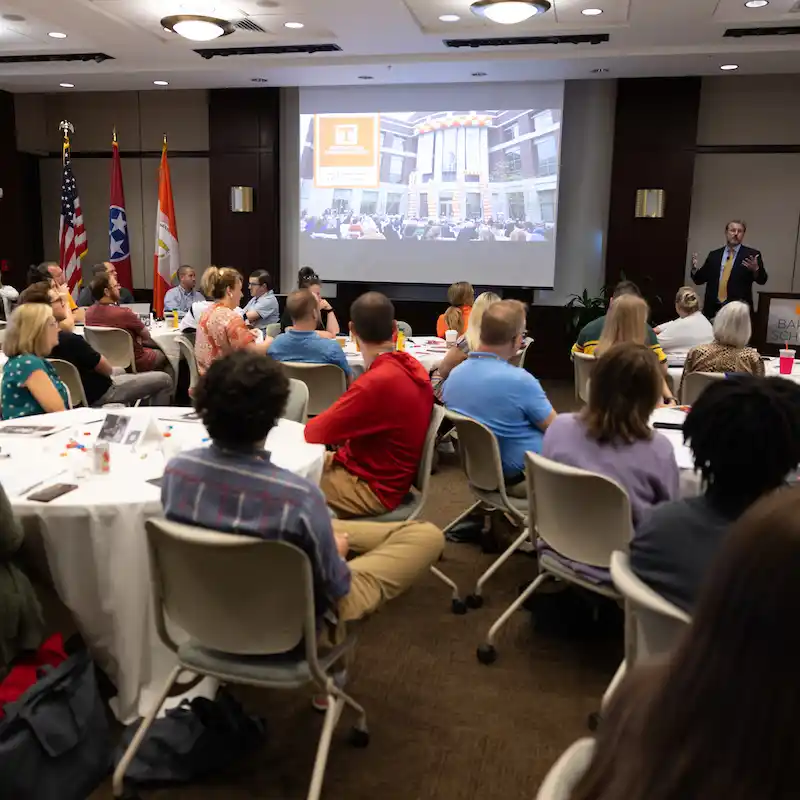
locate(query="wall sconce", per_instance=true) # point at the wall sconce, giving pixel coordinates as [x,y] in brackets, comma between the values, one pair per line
[650,203]
[242,199]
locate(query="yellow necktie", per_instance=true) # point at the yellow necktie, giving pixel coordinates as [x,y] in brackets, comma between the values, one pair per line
[722,294]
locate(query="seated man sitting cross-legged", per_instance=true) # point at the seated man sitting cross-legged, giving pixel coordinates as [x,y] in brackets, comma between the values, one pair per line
[232,486]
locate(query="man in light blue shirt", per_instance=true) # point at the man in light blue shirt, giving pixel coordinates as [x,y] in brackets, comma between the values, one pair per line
[181,297]
[507,399]
[302,343]
[262,310]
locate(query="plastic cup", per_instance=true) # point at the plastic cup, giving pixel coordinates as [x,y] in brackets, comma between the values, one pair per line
[341,341]
[450,338]
[787,362]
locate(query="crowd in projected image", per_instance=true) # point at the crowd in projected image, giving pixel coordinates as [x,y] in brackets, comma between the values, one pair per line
[484,176]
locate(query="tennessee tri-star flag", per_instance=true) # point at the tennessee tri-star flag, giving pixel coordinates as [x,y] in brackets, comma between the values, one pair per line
[72,242]
[167,255]
[119,251]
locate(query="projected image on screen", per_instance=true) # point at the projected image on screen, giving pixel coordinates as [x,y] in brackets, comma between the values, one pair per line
[446,176]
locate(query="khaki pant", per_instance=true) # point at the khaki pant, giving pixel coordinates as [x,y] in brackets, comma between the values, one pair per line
[392,556]
[347,494]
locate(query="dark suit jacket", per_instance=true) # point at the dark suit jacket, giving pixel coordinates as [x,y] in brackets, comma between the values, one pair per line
[740,284]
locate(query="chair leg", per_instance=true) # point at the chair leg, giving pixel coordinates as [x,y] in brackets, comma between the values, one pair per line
[464,515]
[619,675]
[337,700]
[332,714]
[133,747]
[457,605]
[486,652]
[501,559]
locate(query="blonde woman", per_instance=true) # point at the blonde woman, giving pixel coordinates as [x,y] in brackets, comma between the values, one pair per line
[221,329]
[30,385]
[729,351]
[461,297]
[626,321]
[689,329]
[469,341]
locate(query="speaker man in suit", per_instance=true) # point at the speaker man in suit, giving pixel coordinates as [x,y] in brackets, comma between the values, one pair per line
[730,272]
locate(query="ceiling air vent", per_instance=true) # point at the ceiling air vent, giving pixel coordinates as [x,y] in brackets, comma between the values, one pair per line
[273,50]
[525,41]
[248,25]
[779,30]
[56,57]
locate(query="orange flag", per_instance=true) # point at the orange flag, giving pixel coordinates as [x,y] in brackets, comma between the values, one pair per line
[167,254]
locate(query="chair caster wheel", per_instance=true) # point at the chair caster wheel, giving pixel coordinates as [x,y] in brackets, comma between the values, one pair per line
[458,606]
[593,721]
[474,601]
[487,654]
[359,738]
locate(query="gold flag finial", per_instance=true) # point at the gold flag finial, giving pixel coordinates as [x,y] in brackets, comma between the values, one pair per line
[165,140]
[114,135]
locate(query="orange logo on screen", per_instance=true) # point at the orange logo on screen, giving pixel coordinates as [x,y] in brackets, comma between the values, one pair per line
[346,141]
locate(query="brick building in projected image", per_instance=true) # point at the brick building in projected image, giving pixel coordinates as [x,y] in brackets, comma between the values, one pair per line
[449,165]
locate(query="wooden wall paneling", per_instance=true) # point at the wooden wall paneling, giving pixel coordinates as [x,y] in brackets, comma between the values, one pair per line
[243,151]
[20,218]
[654,148]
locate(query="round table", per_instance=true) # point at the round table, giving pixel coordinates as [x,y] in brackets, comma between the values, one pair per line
[690,482]
[428,350]
[92,542]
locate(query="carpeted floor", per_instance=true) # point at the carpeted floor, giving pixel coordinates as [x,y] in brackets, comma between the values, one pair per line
[442,725]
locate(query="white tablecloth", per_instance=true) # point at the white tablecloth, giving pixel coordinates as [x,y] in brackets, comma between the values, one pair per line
[690,483]
[771,369]
[428,350]
[93,538]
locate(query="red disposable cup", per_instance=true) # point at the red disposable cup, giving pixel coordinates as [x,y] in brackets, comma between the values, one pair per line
[787,362]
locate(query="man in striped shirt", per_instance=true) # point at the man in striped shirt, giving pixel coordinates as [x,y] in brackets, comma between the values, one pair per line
[233,486]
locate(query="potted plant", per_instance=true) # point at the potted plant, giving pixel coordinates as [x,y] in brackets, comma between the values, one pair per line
[584,308]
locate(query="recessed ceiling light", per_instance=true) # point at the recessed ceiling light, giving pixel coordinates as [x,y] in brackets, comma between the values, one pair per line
[478,74]
[57,35]
[161,83]
[756,3]
[67,85]
[729,67]
[197,27]
[296,25]
[449,18]
[510,12]
[592,12]
[365,77]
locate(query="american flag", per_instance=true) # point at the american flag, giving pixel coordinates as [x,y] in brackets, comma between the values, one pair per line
[71,232]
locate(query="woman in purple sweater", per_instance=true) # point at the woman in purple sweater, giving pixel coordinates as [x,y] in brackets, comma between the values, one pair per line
[612,435]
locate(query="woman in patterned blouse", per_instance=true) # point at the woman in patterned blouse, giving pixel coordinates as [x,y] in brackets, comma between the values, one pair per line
[30,384]
[221,328]
[729,351]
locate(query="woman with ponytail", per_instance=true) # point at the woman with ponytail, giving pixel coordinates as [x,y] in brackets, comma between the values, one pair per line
[689,329]
[461,297]
[221,328]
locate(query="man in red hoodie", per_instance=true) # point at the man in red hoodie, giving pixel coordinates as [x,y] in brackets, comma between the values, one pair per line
[379,424]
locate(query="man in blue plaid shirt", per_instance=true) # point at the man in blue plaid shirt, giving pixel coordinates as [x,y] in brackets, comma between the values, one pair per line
[233,486]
